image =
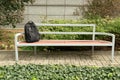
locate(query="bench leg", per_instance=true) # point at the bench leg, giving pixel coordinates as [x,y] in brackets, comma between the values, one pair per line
[35,49]
[16,53]
[112,54]
[93,50]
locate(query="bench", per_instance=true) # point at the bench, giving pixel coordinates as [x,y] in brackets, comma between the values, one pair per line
[93,42]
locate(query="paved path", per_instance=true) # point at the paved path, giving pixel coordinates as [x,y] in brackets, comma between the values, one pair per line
[84,58]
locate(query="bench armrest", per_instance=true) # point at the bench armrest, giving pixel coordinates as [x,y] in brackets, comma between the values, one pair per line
[16,36]
[108,34]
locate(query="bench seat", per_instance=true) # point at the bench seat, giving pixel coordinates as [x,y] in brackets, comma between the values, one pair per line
[67,43]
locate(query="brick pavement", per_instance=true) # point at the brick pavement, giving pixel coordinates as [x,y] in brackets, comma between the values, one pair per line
[81,58]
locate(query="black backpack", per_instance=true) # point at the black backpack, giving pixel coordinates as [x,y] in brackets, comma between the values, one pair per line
[31,32]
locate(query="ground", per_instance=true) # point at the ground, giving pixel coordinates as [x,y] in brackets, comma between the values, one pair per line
[81,58]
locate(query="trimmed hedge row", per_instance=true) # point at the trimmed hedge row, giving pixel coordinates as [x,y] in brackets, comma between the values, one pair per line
[58,72]
[102,25]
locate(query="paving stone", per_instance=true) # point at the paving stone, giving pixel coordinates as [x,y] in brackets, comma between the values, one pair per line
[100,58]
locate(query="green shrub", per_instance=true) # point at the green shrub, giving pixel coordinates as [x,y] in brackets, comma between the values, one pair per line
[11,11]
[101,8]
[6,39]
[100,23]
[58,72]
[109,25]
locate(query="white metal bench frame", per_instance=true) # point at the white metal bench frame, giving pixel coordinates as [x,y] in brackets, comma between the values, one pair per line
[93,33]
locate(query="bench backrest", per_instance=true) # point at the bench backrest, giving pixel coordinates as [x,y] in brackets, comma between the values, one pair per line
[71,25]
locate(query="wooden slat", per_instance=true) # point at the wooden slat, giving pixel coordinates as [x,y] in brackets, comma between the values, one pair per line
[67,42]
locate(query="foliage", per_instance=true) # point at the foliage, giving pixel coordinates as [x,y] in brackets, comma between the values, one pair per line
[11,11]
[109,25]
[58,72]
[100,8]
[6,39]
[71,29]
[102,25]
[113,26]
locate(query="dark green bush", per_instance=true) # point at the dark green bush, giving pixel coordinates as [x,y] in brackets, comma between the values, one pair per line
[58,72]
[101,8]
[109,25]
[100,23]
[11,11]
[6,39]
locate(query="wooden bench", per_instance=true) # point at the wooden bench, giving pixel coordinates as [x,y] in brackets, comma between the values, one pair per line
[92,42]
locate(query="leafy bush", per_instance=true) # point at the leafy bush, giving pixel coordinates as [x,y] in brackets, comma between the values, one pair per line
[58,72]
[109,25]
[99,23]
[6,39]
[102,8]
[11,11]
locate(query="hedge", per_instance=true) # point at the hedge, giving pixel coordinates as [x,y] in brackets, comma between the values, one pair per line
[107,25]
[58,72]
